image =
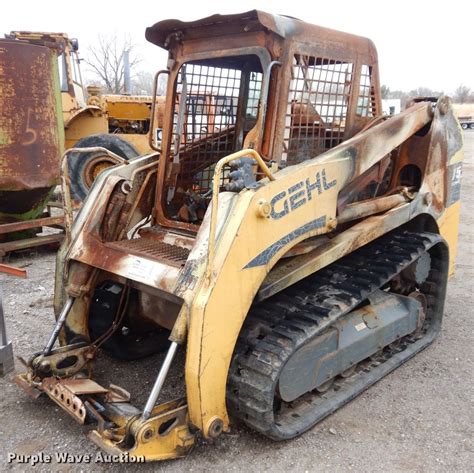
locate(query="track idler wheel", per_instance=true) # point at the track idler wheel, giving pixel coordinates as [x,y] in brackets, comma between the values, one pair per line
[322,388]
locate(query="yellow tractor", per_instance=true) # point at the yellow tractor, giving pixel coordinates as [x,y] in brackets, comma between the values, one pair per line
[119,123]
[297,253]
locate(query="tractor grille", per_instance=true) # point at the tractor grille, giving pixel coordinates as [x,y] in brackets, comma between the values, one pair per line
[157,250]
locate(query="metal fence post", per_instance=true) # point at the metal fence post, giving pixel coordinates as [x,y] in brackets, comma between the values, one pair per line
[6,349]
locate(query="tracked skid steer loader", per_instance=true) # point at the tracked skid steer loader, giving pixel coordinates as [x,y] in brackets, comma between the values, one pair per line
[298,251]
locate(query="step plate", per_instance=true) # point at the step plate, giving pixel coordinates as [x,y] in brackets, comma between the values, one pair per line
[157,250]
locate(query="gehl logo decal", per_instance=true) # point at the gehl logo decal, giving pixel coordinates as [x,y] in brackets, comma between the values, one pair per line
[298,194]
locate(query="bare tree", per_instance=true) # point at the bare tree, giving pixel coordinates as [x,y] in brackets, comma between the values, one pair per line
[405,97]
[143,84]
[398,94]
[462,94]
[385,91]
[105,59]
[424,92]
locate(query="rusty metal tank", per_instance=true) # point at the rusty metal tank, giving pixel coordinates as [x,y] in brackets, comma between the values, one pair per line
[31,129]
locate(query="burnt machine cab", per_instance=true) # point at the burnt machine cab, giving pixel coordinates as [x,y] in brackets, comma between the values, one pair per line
[293,90]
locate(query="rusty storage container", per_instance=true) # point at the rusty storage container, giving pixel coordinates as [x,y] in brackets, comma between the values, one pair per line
[31,129]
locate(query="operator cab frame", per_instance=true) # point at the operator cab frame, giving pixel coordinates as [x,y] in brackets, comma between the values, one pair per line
[318,88]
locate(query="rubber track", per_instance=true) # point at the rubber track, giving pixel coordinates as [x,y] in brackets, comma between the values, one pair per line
[277,327]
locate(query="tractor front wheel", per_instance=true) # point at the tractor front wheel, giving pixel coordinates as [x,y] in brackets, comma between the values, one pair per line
[85,167]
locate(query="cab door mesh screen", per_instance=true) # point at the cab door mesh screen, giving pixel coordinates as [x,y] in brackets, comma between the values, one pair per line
[317,106]
[204,128]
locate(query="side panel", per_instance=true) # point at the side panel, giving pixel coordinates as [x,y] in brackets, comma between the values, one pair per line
[449,220]
[139,142]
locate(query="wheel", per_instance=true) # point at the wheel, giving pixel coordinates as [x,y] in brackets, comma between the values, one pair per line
[471,126]
[85,167]
[464,126]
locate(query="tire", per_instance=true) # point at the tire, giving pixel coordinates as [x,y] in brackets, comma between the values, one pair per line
[464,126]
[471,126]
[85,167]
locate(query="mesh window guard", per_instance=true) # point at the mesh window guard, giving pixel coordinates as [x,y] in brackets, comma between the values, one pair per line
[366,101]
[253,102]
[205,129]
[317,107]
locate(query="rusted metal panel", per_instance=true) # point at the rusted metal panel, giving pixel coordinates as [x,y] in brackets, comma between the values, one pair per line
[39,222]
[80,386]
[29,110]
[31,138]
[7,269]
[30,243]
[31,130]
[290,29]
[66,398]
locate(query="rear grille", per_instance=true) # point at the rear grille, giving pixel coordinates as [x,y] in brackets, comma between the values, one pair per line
[152,249]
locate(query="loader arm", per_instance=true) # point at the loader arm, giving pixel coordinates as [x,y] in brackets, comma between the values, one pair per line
[303,202]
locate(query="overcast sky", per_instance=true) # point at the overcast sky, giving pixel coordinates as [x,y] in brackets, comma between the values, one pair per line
[419,42]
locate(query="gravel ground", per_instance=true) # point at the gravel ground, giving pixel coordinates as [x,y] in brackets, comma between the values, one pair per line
[419,418]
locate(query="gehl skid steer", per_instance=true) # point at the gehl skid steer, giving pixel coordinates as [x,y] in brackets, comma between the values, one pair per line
[299,251]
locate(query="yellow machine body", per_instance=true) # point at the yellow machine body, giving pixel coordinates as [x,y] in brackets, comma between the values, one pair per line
[284,186]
